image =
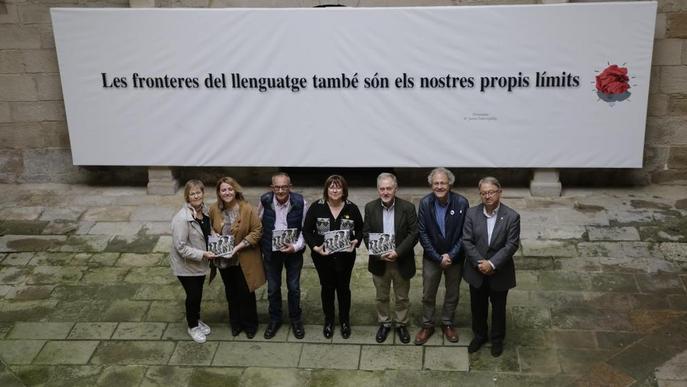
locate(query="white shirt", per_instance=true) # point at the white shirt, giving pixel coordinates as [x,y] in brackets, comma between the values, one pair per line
[491,222]
[280,223]
[388,217]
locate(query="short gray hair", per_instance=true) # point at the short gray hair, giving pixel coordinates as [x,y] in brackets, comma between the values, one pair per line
[281,174]
[387,175]
[489,180]
[449,174]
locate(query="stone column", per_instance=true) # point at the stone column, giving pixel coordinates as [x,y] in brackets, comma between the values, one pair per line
[545,182]
[161,181]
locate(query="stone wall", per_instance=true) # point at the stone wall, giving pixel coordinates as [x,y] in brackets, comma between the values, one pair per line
[34,143]
[666,134]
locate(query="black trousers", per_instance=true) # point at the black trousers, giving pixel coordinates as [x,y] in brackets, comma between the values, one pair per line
[193,286]
[243,311]
[479,305]
[335,280]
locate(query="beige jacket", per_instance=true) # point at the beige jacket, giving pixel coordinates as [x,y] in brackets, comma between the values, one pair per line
[188,245]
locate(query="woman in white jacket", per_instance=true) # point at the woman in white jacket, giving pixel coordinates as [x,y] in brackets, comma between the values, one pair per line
[189,257]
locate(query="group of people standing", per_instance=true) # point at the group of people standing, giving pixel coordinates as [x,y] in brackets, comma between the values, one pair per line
[476,244]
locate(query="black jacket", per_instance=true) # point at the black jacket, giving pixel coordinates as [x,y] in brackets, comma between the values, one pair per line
[405,235]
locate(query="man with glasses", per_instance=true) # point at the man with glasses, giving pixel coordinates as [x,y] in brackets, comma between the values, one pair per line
[282,209]
[441,216]
[491,237]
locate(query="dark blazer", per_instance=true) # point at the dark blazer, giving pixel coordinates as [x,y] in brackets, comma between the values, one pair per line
[505,240]
[433,243]
[405,235]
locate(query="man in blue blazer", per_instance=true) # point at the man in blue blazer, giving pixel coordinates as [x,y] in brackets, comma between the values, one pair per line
[491,237]
[441,216]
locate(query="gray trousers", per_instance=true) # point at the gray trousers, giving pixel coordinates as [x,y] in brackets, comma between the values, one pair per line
[431,277]
[401,288]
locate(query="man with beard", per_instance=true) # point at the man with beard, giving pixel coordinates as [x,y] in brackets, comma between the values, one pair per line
[394,216]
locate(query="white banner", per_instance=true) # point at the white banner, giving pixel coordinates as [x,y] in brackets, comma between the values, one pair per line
[495,86]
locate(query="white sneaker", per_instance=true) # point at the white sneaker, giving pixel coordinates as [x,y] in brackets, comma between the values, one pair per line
[204,328]
[197,334]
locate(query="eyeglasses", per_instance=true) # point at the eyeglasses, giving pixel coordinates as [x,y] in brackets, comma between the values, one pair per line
[280,187]
[488,194]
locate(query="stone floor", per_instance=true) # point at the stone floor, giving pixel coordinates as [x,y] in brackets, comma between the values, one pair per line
[87,298]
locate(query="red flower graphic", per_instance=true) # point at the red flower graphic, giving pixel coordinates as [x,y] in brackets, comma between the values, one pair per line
[613,80]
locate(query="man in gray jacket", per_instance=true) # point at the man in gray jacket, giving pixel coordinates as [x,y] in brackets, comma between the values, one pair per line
[491,236]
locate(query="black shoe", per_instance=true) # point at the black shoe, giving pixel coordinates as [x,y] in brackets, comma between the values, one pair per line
[272,329]
[345,330]
[250,334]
[328,330]
[298,330]
[475,345]
[496,349]
[235,331]
[382,333]
[403,334]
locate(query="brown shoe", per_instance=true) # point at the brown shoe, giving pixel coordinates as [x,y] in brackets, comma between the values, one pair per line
[424,335]
[450,333]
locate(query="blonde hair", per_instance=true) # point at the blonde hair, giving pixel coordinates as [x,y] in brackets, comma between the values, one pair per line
[238,190]
[193,183]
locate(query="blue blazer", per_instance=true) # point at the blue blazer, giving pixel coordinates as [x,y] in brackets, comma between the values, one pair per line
[433,243]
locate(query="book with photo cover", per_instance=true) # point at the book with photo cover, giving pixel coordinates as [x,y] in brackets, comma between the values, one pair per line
[221,245]
[323,225]
[335,241]
[347,224]
[280,238]
[380,243]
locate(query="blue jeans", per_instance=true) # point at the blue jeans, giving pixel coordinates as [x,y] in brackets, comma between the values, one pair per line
[273,270]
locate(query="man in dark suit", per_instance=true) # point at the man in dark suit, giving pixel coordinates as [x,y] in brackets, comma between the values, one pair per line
[393,216]
[491,237]
[440,225]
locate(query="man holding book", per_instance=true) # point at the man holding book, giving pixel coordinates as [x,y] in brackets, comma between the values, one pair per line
[391,216]
[282,212]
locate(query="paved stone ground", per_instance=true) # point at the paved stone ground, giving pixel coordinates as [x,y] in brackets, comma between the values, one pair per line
[87,298]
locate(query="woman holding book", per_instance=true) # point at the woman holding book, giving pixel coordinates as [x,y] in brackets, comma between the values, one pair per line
[334,266]
[189,257]
[242,271]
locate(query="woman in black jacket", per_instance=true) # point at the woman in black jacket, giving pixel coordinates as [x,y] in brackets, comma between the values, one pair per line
[334,267]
